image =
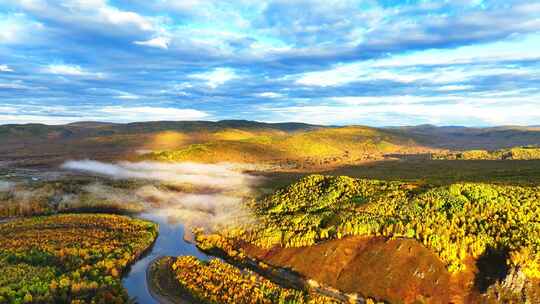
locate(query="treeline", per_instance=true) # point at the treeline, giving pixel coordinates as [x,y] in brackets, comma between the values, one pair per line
[72,258]
[517,153]
[456,221]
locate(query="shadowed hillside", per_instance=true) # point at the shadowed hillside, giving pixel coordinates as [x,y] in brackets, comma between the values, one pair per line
[289,145]
[462,138]
[232,140]
[38,144]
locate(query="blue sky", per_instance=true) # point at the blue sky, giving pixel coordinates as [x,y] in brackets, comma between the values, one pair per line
[462,62]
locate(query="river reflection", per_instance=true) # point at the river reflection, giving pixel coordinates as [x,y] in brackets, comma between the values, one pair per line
[170,242]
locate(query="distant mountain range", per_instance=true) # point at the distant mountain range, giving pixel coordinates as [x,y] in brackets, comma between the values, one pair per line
[245,141]
[465,138]
[99,128]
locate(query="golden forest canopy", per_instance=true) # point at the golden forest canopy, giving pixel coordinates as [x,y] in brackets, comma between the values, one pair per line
[70,258]
[218,282]
[457,221]
[297,144]
[516,153]
[321,145]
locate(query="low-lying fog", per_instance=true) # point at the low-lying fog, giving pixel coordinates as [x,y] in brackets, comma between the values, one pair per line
[6,186]
[221,176]
[205,195]
[211,197]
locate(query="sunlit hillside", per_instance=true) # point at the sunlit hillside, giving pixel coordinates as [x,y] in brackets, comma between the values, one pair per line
[480,232]
[318,147]
[293,145]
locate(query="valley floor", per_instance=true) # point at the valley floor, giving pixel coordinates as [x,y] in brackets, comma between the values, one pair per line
[372,267]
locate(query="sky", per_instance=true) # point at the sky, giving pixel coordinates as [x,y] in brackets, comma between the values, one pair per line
[378,63]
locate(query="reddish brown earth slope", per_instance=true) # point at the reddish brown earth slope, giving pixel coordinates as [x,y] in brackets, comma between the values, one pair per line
[397,271]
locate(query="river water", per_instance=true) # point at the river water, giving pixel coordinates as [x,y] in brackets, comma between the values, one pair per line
[170,242]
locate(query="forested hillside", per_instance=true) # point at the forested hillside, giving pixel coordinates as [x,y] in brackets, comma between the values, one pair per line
[291,145]
[72,258]
[516,153]
[323,146]
[286,144]
[461,222]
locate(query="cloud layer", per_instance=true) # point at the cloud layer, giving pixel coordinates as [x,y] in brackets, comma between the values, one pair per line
[63,61]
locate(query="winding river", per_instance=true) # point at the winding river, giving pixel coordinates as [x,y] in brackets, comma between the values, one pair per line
[170,242]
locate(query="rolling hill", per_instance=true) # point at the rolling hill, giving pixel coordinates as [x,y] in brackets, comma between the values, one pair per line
[310,148]
[231,140]
[292,145]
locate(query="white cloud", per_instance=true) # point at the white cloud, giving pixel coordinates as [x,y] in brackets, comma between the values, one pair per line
[438,66]
[216,77]
[115,16]
[19,85]
[89,14]
[8,109]
[269,95]
[355,72]
[390,99]
[14,86]
[65,70]
[470,110]
[121,114]
[158,42]
[151,113]
[44,119]
[216,49]
[336,76]
[5,68]
[113,93]
[128,96]
[189,7]
[458,87]
[18,28]
[70,70]
[465,55]
[526,93]
[367,72]
[384,115]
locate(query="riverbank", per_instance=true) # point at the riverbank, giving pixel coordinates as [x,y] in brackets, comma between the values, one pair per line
[170,242]
[163,285]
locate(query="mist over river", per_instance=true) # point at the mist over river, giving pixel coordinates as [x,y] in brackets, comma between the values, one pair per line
[175,196]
